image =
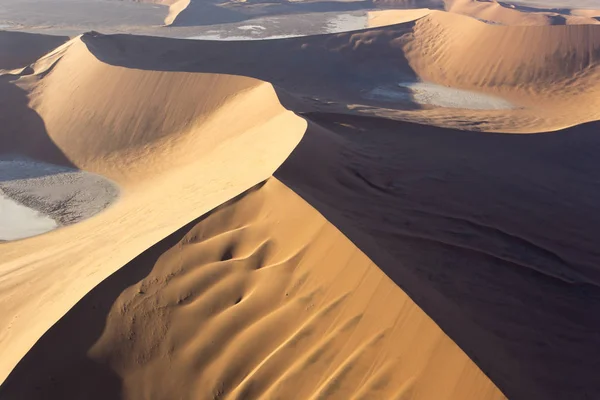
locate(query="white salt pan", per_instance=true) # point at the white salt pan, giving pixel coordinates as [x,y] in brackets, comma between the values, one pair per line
[18,221]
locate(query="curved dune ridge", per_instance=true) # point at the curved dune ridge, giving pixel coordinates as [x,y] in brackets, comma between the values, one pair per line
[264,297]
[136,128]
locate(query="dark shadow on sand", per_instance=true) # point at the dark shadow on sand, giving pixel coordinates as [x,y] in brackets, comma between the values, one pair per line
[350,62]
[22,131]
[494,236]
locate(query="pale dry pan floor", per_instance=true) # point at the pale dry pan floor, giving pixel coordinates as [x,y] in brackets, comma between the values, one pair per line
[262,298]
[18,221]
[65,195]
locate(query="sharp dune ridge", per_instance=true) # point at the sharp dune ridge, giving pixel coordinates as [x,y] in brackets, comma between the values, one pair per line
[480,262]
[395,254]
[261,298]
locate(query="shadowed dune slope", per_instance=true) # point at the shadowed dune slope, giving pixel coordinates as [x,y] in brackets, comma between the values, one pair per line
[261,298]
[176,144]
[492,235]
[19,49]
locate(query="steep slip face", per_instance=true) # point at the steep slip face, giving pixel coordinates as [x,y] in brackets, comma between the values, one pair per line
[260,298]
[492,235]
[176,144]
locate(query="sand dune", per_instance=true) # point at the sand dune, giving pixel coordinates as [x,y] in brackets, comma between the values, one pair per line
[166,139]
[262,298]
[551,70]
[538,57]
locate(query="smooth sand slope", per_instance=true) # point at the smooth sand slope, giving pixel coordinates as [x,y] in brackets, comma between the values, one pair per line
[261,298]
[176,144]
[492,235]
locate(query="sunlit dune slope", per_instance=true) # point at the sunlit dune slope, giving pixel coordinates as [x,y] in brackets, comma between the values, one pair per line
[261,298]
[176,144]
[470,52]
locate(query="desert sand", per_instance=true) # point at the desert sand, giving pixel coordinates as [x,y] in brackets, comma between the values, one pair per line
[406,211]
